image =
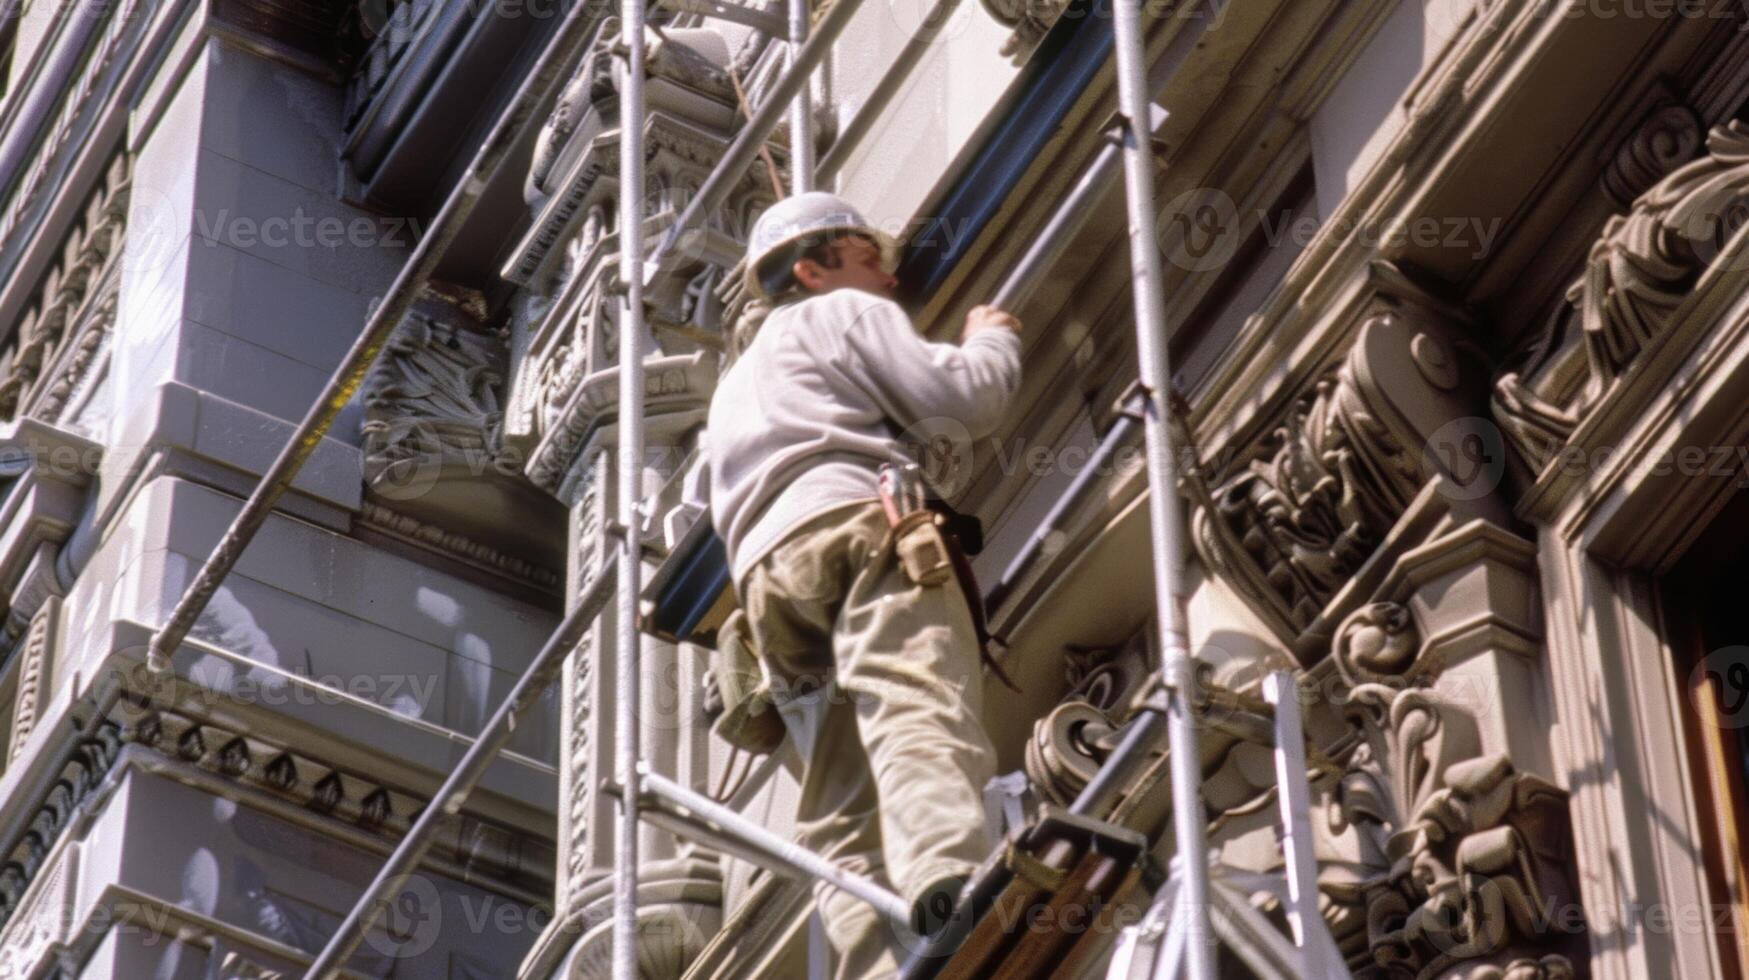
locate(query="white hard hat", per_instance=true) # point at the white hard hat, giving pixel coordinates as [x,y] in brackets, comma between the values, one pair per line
[801,216]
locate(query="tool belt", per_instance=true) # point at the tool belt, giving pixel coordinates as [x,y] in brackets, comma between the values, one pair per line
[931,541]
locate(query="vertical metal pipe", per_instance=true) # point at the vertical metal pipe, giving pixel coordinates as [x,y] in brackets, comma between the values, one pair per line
[631,473]
[801,109]
[1166,524]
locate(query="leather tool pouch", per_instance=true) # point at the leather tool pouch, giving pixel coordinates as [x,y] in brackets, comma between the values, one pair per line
[922,551]
[749,720]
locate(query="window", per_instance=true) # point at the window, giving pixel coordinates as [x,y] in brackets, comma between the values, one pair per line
[1709,634]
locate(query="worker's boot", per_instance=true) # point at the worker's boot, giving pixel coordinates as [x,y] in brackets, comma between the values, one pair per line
[936,904]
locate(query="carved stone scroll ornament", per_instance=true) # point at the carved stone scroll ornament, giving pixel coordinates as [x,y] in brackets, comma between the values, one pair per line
[1309,501]
[1310,512]
[1463,868]
[680,907]
[1072,740]
[1666,139]
[1648,261]
[1637,276]
[1307,509]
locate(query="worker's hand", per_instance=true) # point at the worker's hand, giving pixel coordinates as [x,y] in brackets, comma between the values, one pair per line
[983,318]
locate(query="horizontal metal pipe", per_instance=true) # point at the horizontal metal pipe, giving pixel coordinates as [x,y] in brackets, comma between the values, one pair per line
[454,793]
[514,124]
[1097,465]
[799,860]
[752,136]
[1069,217]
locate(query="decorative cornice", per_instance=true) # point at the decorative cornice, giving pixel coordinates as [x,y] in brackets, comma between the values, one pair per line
[677,390]
[473,552]
[85,768]
[73,309]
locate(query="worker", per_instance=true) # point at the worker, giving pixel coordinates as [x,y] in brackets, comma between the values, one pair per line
[875,674]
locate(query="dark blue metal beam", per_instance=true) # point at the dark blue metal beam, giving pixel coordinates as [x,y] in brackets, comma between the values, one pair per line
[1067,61]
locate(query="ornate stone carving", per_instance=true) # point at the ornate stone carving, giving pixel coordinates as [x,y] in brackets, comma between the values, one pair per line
[1463,866]
[1378,641]
[1536,426]
[568,348]
[35,929]
[434,397]
[1646,262]
[86,767]
[488,850]
[1031,20]
[676,390]
[580,798]
[33,675]
[434,455]
[119,31]
[1312,510]
[1297,515]
[1667,138]
[73,312]
[680,907]
[1069,744]
[1638,273]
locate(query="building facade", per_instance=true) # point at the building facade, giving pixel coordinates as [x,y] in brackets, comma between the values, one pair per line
[1457,295]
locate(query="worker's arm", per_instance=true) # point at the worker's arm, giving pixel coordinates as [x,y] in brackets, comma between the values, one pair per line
[913,379]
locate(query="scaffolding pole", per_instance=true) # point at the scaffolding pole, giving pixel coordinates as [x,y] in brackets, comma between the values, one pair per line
[627,727]
[514,124]
[1166,523]
[454,792]
[801,110]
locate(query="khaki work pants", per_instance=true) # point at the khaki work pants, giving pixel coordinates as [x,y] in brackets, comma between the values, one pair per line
[878,681]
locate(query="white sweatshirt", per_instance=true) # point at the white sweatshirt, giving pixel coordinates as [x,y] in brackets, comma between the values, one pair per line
[800,424]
